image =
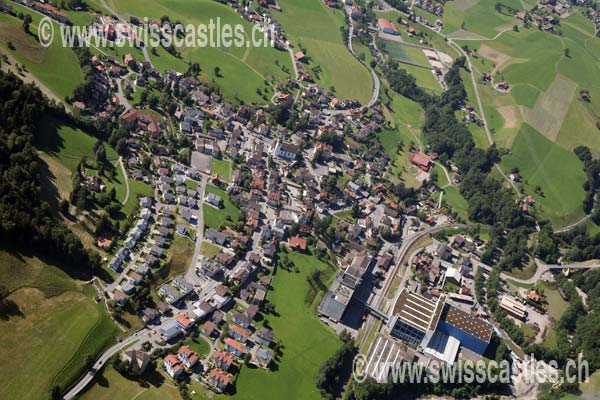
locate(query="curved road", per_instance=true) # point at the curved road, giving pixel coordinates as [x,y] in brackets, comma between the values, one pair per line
[99,364]
[542,268]
[126,180]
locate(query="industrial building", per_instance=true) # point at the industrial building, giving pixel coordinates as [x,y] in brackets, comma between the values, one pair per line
[342,289]
[437,327]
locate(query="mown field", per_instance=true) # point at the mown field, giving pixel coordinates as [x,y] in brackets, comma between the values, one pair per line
[557,171]
[54,324]
[221,167]
[307,342]
[316,27]
[111,385]
[242,70]
[56,67]
[215,218]
[546,73]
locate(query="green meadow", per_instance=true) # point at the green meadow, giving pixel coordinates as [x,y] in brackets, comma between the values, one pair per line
[56,67]
[319,33]
[215,218]
[557,171]
[54,325]
[306,341]
[242,70]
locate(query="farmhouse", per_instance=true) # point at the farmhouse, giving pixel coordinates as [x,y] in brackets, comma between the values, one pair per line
[421,160]
[388,27]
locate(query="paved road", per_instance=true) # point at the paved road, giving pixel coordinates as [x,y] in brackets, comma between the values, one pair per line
[542,268]
[87,378]
[126,180]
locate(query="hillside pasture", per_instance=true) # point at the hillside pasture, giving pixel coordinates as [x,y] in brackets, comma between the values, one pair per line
[53,324]
[551,107]
[557,171]
[319,33]
[56,67]
[242,69]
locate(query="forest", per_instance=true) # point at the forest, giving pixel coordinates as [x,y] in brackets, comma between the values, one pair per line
[25,219]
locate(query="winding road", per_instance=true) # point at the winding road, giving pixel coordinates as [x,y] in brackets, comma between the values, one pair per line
[99,364]
[126,180]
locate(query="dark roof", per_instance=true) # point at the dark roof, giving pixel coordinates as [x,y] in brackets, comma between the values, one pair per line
[467,323]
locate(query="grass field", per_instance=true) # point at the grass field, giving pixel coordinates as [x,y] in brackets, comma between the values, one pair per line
[424,77]
[56,67]
[319,33]
[209,250]
[478,17]
[458,203]
[111,385]
[54,326]
[404,53]
[556,305]
[242,69]
[303,353]
[180,257]
[221,167]
[214,218]
[556,170]
[68,145]
[136,188]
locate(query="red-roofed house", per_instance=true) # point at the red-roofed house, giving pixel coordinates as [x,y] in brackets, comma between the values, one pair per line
[239,333]
[300,56]
[297,243]
[219,378]
[184,322]
[234,347]
[187,356]
[387,27]
[51,11]
[222,359]
[421,160]
[173,366]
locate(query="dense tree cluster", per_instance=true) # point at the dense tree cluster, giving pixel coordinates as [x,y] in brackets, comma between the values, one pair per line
[24,217]
[336,370]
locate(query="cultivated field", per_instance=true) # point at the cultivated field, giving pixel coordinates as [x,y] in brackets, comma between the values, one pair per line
[551,108]
[557,171]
